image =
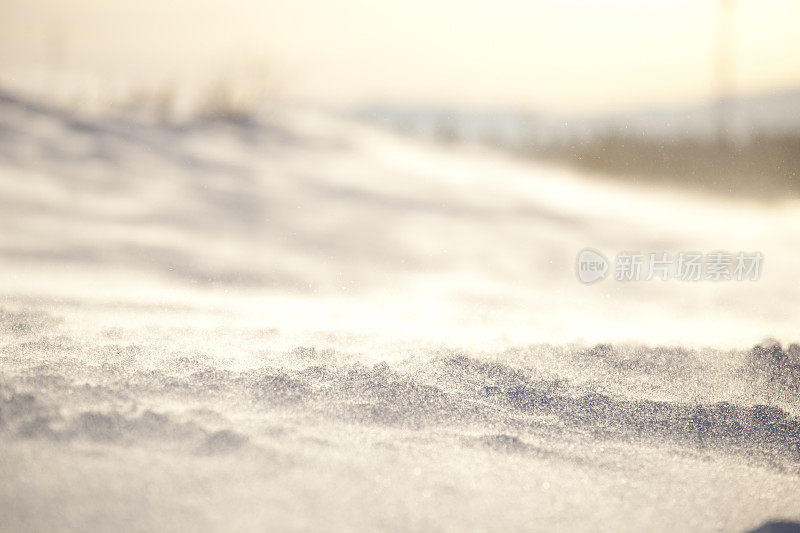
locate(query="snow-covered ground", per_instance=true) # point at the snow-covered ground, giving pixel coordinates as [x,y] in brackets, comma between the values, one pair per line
[301,323]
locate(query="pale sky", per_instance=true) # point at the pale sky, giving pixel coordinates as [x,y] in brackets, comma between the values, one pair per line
[555,54]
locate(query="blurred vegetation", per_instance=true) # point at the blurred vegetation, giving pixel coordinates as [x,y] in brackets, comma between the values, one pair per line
[223,100]
[763,164]
[766,165]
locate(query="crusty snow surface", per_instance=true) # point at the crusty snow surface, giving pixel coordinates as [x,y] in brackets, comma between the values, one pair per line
[299,323]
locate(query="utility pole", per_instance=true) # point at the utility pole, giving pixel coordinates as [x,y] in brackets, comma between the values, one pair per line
[724,69]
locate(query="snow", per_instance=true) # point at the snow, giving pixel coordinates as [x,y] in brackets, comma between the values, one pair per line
[303,323]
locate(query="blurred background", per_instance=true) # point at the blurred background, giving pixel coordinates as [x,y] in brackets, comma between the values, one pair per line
[425,168]
[703,94]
